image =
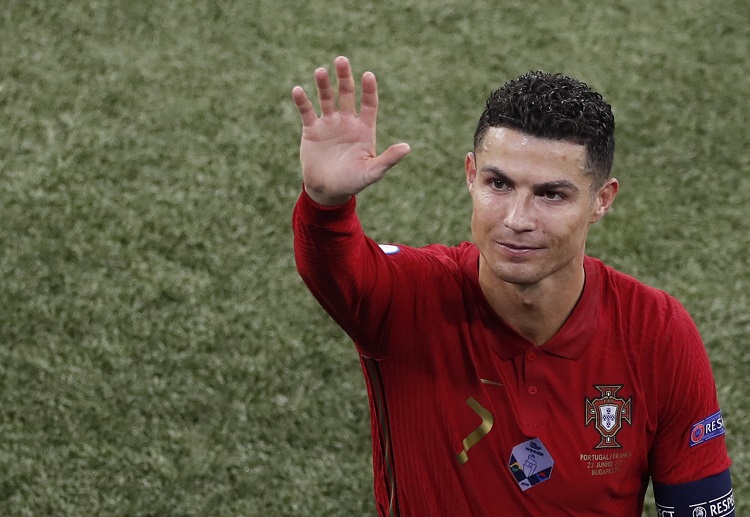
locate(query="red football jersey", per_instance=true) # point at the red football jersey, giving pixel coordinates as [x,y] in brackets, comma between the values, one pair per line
[471,419]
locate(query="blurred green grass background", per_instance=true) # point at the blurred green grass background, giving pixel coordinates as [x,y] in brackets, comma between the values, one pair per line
[159,355]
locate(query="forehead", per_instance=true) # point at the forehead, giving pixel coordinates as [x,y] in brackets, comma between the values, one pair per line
[536,159]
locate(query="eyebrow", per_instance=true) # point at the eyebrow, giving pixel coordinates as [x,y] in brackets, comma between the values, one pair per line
[540,187]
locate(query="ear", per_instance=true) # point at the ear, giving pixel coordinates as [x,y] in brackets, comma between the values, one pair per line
[604,199]
[470,164]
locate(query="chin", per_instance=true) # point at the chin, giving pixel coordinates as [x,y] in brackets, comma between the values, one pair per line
[518,276]
[522,281]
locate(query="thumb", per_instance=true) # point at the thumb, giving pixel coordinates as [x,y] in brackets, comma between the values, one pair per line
[391,156]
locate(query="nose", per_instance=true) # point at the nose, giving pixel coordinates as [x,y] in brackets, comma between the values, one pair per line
[519,217]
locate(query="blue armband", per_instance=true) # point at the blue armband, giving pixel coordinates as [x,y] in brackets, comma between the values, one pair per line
[708,497]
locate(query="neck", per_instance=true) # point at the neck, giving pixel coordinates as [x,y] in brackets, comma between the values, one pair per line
[535,311]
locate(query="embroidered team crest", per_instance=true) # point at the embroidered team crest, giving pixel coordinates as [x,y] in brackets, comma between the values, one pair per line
[608,412]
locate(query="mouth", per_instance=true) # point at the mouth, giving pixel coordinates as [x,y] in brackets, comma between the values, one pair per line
[518,248]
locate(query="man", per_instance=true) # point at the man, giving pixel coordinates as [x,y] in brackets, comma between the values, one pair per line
[513,375]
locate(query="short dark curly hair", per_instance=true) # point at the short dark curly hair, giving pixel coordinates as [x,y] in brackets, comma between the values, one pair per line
[557,107]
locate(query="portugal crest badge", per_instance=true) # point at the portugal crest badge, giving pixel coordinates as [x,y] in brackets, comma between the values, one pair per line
[608,412]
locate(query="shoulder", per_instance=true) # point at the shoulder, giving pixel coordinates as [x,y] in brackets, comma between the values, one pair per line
[436,256]
[635,299]
[651,323]
[436,268]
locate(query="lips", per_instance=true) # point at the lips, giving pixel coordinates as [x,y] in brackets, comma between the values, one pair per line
[518,247]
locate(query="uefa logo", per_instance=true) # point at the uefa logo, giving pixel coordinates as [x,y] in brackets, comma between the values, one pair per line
[699,511]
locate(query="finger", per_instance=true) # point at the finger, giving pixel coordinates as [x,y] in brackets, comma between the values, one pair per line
[304,106]
[390,157]
[368,110]
[347,101]
[326,97]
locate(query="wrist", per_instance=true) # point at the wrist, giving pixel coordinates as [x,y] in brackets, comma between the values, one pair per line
[324,199]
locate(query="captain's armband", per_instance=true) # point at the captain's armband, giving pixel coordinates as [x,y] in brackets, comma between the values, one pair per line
[707,497]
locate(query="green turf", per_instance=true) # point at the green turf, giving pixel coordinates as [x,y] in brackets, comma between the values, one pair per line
[159,355]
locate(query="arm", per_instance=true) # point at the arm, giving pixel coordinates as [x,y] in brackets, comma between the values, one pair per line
[338,152]
[690,465]
[345,271]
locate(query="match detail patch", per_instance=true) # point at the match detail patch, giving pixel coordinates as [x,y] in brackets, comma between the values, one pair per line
[707,429]
[530,463]
[389,249]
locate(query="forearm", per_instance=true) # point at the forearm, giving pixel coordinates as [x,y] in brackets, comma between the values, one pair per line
[337,262]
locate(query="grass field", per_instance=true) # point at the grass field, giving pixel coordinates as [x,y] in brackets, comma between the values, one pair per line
[159,355]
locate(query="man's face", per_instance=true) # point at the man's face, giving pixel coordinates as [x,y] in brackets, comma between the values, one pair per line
[533,204]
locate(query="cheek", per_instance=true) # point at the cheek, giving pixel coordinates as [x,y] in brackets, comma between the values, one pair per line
[490,208]
[566,229]
[481,214]
[576,234]
[478,223]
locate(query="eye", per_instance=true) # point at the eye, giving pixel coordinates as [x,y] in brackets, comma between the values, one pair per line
[499,184]
[552,195]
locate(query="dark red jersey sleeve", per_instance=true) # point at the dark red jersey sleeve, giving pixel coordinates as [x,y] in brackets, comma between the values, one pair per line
[690,443]
[346,271]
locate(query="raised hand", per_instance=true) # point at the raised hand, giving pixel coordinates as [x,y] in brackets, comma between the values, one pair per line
[338,152]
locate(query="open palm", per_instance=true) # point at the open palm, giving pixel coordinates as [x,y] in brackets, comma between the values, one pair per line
[338,149]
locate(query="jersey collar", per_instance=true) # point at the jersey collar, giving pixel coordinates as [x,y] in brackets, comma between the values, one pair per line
[569,342]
